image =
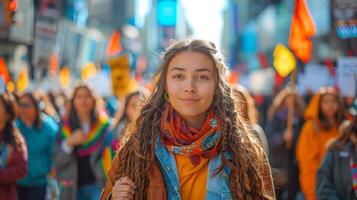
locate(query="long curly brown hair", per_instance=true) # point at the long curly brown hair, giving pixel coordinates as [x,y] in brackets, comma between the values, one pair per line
[137,155]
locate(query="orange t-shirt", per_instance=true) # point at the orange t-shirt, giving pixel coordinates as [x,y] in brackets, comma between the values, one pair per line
[193,179]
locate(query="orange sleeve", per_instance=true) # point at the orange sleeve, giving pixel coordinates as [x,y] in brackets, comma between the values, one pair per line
[307,154]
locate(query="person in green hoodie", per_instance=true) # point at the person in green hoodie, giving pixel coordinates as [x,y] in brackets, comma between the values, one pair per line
[39,131]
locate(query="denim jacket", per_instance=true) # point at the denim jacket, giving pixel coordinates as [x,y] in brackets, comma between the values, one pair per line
[217,185]
[163,180]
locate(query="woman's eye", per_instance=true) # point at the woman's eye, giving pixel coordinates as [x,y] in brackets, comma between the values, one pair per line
[203,77]
[177,76]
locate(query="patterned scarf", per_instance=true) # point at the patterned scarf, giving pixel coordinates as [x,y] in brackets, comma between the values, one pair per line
[188,141]
[97,137]
[353,167]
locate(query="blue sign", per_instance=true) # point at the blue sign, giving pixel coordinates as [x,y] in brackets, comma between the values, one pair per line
[167,12]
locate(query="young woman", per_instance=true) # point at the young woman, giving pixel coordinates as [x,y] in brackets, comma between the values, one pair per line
[323,116]
[337,176]
[83,154]
[282,145]
[126,116]
[39,131]
[188,142]
[13,151]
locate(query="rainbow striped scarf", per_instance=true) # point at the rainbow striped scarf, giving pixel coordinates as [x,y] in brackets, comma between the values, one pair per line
[97,138]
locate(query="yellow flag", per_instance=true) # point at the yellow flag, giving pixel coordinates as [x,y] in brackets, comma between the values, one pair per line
[88,70]
[65,77]
[22,81]
[284,60]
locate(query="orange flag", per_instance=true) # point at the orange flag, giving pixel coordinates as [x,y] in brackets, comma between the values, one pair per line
[65,77]
[301,29]
[54,64]
[114,46]
[3,70]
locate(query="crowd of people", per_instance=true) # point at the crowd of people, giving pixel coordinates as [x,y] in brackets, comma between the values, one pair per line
[194,136]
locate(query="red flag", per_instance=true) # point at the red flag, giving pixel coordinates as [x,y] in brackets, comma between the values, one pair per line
[3,70]
[114,46]
[302,28]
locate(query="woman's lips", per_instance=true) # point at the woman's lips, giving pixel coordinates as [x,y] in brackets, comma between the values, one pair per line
[189,100]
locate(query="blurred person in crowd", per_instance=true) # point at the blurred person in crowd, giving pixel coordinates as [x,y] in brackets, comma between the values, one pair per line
[337,176]
[282,141]
[15,99]
[188,142]
[246,108]
[39,131]
[323,116]
[64,103]
[46,105]
[13,151]
[126,116]
[83,152]
[57,100]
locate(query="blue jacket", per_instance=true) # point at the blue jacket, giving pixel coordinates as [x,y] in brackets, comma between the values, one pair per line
[40,145]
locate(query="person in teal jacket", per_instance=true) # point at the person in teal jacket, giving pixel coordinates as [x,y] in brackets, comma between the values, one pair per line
[39,131]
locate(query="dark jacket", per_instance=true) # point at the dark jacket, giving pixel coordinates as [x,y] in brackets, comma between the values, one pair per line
[334,179]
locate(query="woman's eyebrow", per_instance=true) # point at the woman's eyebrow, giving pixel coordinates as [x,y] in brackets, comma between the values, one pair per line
[178,68]
[203,70]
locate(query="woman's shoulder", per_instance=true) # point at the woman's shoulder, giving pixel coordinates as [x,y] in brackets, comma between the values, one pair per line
[312,126]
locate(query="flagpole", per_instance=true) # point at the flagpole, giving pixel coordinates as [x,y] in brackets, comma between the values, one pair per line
[291,107]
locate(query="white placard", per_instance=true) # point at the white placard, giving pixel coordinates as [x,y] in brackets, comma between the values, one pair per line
[262,81]
[347,75]
[101,84]
[314,77]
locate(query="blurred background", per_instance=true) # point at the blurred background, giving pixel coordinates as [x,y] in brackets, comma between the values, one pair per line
[281,51]
[44,37]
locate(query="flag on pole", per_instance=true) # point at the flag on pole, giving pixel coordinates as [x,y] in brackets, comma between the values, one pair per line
[22,81]
[3,70]
[114,46]
[65,77]
[284,61]
[301,30]
[89,70]
[54,64]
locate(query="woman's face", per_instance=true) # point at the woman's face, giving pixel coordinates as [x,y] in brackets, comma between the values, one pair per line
[27,109]
[191,83]
[329,105]
[83,102]
[133,108]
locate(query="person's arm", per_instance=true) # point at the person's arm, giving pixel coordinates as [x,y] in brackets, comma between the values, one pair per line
[62,153]
[325,187]
[53,130]
[112,177]
[308,160]
[18,167]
